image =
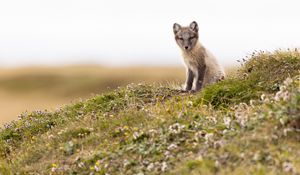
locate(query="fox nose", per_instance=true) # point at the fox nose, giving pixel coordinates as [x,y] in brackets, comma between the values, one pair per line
[186,47]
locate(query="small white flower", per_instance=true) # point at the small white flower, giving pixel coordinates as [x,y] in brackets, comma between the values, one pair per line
[252,103]
[167,154]
[214,119]
[262,97]
[106,165]
[225,131]
[80,165]
[282,95]
[227,121]
[286,96]
[288,167]
[218,144]
[241,113]
[282,88]
[172,147]
[97,169]
[126,163]
[199,158]
[53,169]
[135,135]
[242,155]
[150,166]
[164,167]
[198,135]
[208,137]
[176,128]
[256,156]
[286,131]
[282,121]
[190,103]
[288,81]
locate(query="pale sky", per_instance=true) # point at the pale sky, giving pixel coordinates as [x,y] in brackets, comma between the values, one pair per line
[136,32]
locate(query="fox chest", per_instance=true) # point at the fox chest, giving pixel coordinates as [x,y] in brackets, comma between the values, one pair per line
[192,63]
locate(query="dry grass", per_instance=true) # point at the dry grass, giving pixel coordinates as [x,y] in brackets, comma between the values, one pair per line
[38,88]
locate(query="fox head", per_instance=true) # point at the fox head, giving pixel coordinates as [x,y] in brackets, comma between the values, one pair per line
[186,37]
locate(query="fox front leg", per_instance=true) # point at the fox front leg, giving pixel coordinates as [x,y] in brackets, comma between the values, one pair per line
[189,80]
[200,77]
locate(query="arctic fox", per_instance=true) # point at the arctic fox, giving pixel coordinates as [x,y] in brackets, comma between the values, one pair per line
[202,66]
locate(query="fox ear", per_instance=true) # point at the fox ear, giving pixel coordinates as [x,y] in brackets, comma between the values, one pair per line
[194,26]
[176,28]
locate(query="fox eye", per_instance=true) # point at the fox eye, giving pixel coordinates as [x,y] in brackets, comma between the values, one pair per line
[180,39]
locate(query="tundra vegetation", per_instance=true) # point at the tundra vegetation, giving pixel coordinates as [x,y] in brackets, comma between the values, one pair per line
[246,124]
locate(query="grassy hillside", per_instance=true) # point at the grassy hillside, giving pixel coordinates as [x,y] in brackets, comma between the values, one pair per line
[247,124]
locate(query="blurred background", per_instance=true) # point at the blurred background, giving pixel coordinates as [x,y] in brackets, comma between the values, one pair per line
[58,51]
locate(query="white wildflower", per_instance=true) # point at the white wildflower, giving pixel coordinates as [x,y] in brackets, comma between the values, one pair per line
[264,99]
[53,169]
[176,128]
[150,166]
[164,167]
[172,147]
[225,131]
[282,88]
[218,144]
[180,115]
[208,137]
[190,103]
[214,119]
[106,165]
[126,163]
[286,96]
[242,155]
[277,96]
[241,113]
[97,169]
[199,157]
[282,121]
[227,121]
[288,167]
[152,132]
[256,156]
[136,135]
[252,103]
[167,154]
[198,135]
[287,130]
[282,95]
[288,81]
[81,165]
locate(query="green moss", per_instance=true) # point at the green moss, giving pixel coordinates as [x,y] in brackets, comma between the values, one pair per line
[229,92]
